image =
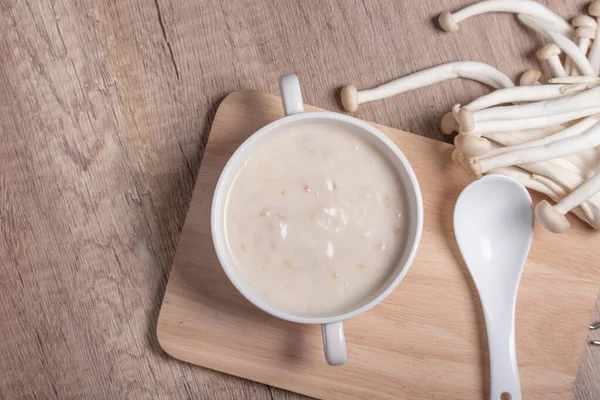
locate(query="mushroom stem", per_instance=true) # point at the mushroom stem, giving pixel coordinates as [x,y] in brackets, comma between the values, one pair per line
[585,163]
[564,133]
[557,178]
[553,218]
[562,41]
[572,51]
[583,36]
[568,47]
[545,186]
[476,71]
[528,180]
[584,192]
[535,26]
[561,175]
[554,105]
[550,53]
[565,173]
[532,123]
[594,54]
[569,80]
[513,138]
[556,149]
[556,66]
[517,94]
[577,163]
[449,21]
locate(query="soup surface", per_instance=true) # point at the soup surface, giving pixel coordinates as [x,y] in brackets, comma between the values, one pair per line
[315,219]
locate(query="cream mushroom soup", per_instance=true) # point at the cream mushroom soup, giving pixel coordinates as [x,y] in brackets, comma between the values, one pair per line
[315,219]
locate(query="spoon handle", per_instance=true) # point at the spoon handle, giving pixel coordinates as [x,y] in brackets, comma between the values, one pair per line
[500,325]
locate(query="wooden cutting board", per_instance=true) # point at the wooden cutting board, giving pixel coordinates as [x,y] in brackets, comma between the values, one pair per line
[427,340]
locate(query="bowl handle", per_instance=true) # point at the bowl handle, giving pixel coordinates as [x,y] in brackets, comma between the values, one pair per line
[334,343]
[291,95]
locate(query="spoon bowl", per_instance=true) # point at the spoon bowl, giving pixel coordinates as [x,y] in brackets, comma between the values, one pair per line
[493,225]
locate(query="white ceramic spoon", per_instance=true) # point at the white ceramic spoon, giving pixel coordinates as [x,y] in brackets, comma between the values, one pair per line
[493,224]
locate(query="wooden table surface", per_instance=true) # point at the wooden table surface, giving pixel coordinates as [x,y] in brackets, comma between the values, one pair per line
[105,107]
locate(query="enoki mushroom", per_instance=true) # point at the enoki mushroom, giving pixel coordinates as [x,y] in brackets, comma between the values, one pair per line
[546,136]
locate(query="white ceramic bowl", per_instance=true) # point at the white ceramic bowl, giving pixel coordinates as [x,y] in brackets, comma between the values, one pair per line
[332,328]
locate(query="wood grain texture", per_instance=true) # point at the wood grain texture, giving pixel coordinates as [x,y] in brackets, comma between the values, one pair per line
[426,340]
[105,107]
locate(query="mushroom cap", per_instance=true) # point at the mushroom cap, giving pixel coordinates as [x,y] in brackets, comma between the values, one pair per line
[463,161]
[530,77]
[551,219]
[585,32]
[458,140]
[448,124]
[594,8]
[455,109]
[474,166]
[548,51]
[447,22]
[349,98]
[584,20]
[455,156]
[474,146]
[465,119]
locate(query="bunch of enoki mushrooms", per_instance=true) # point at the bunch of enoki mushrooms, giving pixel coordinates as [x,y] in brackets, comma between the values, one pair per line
[544,135]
